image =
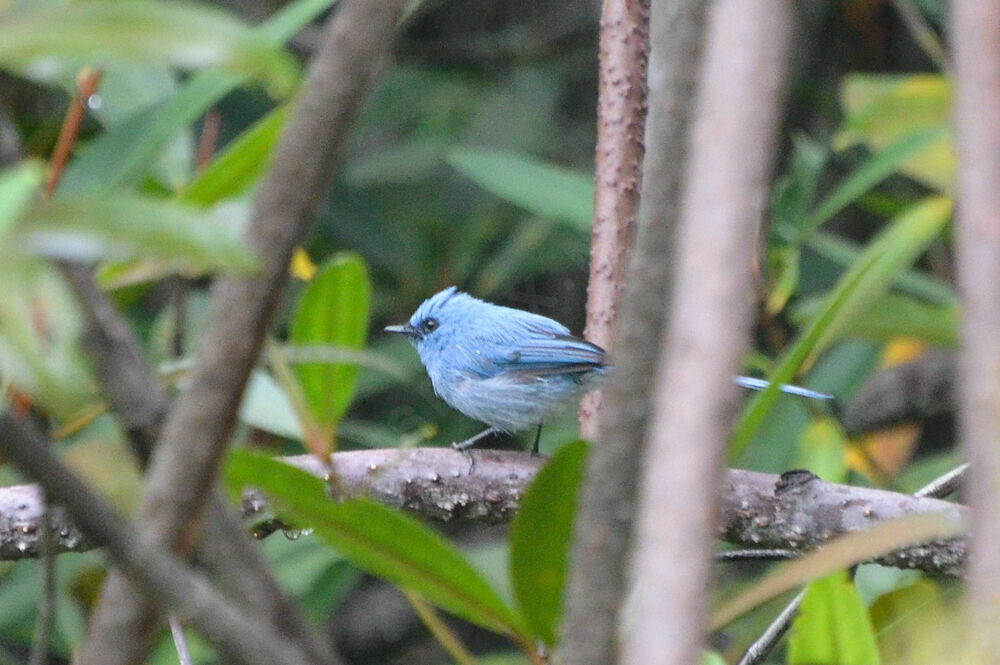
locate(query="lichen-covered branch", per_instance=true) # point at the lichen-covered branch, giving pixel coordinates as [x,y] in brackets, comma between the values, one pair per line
[440,484]
[761,510]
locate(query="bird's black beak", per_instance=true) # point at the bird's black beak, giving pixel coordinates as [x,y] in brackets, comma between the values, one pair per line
[405,329]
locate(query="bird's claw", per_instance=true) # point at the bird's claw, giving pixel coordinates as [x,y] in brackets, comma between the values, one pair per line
[463,447]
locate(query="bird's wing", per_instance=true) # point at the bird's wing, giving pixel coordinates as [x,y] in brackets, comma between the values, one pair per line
[540,350]
[557,350]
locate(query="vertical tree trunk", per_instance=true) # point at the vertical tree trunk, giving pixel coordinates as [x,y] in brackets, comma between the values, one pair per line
[604,523]
[621,121]
[736,121]
[976,39]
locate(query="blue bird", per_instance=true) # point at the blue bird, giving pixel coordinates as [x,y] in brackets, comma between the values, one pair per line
[508,368]
[505,367]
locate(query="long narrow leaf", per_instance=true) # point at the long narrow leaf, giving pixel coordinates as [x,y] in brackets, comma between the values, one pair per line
[136,146]
[879,167]
[839,554]
[178,34]
[18,186]
[870,277]
[238,166]
[127,226]
[540,539]
[914,282]
[543,189]
[892,316]
[333,310]
[377,539]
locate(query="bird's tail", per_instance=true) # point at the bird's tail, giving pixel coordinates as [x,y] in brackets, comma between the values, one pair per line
[760,384]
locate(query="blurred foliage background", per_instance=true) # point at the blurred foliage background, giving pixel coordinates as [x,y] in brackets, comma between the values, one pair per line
[470,165]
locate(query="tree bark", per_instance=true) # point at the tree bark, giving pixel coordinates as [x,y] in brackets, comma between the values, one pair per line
[621,122]
[737,115]
[604,524]
[976,38]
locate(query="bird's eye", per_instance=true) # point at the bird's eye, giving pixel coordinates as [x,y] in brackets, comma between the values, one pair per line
[430,325]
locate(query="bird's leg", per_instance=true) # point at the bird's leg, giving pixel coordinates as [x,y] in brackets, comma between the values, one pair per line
[468,443]
[538,435]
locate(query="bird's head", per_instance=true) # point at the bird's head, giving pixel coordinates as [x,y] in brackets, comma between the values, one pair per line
[436,320]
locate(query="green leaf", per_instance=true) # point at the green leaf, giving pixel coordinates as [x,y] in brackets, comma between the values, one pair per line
[879,167]
[895,315]
[238,166]
[125,152]
[540,188]
[540,538]
[882,109]
[377,539]
[832,627]
[128,226]
[795,191]
[914,282]
[870,277]
[267,407]
[179,34]
[333,310]
[40,329]
[18,186]
[821,450]
[711,658]
[903,618]
[892,252]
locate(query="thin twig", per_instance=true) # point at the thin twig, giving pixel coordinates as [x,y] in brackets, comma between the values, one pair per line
[769,639]
[47,600]
[923,33]
[207,143]
[729,556]
[945,484]
[208,140]
[87,83]
[180,641]
[439,629]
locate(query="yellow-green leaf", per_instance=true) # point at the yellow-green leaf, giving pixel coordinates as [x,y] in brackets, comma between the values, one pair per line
[234,169]
[833,627]
[869,278]
[821,450]
[882,109]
